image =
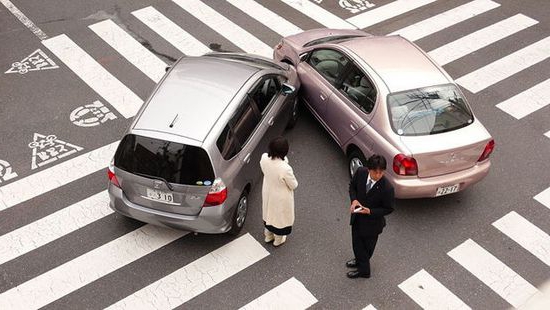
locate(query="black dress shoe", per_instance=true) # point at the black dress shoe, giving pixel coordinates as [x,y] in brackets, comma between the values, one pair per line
[356,274]
[352,263]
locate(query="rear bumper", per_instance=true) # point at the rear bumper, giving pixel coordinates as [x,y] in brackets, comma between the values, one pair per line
[211,220]
[427,187]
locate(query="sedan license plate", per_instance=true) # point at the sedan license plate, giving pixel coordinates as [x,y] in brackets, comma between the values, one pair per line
[446,190]
[157,195]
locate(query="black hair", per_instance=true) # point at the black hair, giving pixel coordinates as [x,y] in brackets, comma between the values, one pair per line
[278,148]
[376,162]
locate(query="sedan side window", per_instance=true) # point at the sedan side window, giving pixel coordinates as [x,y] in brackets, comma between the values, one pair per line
[329,63]
[359,89]
[265,92]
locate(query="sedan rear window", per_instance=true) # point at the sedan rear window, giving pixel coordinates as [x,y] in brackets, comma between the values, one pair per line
[429,110]
[171,161]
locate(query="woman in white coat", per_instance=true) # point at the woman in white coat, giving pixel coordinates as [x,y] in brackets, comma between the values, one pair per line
[278,188]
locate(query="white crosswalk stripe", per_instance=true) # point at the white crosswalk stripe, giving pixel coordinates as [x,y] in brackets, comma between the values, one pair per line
[196,277]
[446,19]
[174,34]
[547,134]
[481,38]
[291,294]
[429,293]
[544,197]
[528,101]
[390,10]
[268,18]
[319,14]
[494,273]
[120,97]
[369,307]
[130,49]
[529,236]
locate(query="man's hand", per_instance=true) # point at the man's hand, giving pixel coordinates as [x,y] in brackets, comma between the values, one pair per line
[354,204]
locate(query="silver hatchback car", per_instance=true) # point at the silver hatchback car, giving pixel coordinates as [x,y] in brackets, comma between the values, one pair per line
[190,157]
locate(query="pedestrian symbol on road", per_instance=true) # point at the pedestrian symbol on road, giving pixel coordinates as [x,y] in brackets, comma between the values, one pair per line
[355,6]
[5,171]
[38,60]
[91,115]
[47,149]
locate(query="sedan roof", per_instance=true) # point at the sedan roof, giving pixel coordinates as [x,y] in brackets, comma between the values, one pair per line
[397,61]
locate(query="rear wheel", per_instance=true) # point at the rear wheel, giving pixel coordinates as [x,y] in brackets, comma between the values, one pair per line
[293,113]
[239,216]
[356,159]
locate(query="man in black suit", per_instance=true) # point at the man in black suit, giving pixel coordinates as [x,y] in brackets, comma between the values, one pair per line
[372,197]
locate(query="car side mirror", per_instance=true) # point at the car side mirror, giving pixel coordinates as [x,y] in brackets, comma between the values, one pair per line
[288,89]
[303,57]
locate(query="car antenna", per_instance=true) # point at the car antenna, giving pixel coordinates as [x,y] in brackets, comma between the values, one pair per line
[173,121]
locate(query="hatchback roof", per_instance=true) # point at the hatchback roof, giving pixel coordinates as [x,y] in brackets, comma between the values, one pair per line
[397,61]
[194,95]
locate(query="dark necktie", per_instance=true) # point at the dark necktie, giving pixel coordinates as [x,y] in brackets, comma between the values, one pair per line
[369,185]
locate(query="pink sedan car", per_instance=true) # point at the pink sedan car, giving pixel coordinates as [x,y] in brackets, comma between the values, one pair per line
[384,95]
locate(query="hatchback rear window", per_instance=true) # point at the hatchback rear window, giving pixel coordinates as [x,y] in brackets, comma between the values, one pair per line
[429,110]
[171,161]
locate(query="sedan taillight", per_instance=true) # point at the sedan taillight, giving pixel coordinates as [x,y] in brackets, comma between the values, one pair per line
[217,194]
[487,151]
[112,176]
[404,165]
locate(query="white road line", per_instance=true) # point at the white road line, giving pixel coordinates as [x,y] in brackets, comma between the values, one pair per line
[168,30]
[429,293]
[232,32]
[131,49]
[369,307]
[92,73]
[386,12]
[24,19]
[266,17]
[51,178]
[529,236]
[87,268]
[446,19]
[506,66]
[291,294]
[481,38]
[319,14]
[494,273]
[53,226]
[528,101]
[544,196]
[547,134]
[196,277]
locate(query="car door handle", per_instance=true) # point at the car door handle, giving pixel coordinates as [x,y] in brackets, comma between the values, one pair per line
[247,158]
[353,126]
[271,121]
[322,96]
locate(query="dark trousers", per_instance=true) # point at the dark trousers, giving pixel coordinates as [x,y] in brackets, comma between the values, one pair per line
[363,247]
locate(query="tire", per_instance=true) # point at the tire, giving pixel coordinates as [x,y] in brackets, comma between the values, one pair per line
[356,159]
[239,216]
[294,112]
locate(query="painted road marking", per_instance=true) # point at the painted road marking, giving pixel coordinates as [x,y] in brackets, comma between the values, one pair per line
[446,19]
[544,196]
[219,23]
[429,293]
[386,12]
[494,273]
[369,307]
[529,236]
[528,101]
[481,38]
[319,14]
[291,294]
[51,178]
[6,172]
[22,18]
[78,272]
[90,115]
[53,226]
[197,277]
[547,134]
[92,73]
[131,49]
[266,17]
[36,61]
[355,7]
[506,66]
[47,149]
[168,30]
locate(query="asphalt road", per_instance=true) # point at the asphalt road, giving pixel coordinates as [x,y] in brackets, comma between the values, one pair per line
[419,234]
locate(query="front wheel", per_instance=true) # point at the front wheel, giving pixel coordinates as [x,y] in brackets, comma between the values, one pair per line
[239,216]
[356,159]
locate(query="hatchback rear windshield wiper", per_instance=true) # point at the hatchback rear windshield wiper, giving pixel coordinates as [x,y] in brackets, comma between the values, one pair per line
[156,178]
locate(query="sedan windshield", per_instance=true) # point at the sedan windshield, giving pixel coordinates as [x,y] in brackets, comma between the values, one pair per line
[429,110]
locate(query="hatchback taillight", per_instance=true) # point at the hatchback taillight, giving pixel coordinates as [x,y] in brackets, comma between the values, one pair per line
[217,194]
[404,165]
[487,151]
[112,176]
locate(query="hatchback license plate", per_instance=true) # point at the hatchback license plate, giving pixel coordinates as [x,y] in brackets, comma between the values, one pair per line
[446,190]
[157,195]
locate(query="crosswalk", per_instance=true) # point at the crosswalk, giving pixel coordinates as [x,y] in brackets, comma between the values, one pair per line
[203,274]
